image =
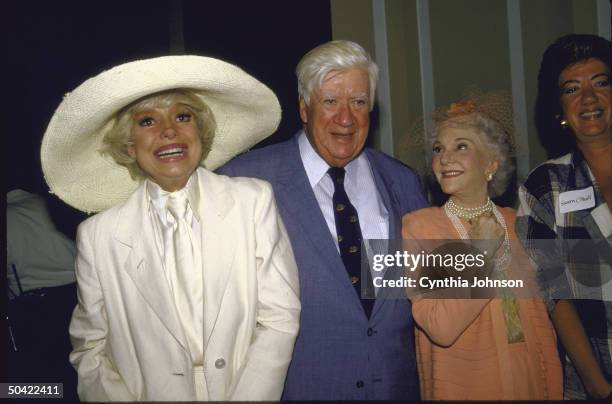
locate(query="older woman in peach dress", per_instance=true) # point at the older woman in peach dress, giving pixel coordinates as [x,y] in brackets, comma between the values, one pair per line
[500,348]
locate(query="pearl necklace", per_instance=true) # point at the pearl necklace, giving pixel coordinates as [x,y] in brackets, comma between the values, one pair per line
[502,261]
[468,213]
[509,305]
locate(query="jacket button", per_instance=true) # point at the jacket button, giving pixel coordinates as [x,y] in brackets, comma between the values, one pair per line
[359,384]
[220,363]
[370,332]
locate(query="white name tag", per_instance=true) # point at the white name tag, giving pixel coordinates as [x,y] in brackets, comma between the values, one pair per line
[571,201]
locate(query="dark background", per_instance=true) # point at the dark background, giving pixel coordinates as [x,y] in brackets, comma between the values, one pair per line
[53,46]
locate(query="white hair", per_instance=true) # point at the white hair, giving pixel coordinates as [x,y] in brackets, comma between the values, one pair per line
[334,56]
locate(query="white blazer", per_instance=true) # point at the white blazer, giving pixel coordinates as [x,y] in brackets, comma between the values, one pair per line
[127,340]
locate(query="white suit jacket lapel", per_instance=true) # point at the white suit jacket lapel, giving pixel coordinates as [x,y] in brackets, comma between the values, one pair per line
[218,247]
[143,263]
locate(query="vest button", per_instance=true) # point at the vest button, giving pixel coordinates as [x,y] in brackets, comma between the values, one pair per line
[220,363]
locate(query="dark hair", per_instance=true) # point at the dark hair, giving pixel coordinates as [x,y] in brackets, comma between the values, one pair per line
[567,50]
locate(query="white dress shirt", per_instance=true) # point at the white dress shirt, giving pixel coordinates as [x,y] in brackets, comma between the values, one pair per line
[158,213]
[360,188]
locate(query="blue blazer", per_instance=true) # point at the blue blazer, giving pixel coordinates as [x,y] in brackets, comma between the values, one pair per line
[339,354]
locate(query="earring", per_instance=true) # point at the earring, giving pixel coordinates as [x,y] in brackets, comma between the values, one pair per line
[489,177]
[562,121]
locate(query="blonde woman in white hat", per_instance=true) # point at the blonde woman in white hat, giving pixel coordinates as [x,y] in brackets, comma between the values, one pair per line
[187,284]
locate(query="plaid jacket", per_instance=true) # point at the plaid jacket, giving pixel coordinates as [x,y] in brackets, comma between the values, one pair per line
[540,217]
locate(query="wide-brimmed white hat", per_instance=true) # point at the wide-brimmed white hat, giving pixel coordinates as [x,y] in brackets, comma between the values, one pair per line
[246,111]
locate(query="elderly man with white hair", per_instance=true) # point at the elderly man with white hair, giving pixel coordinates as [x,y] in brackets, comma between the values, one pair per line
[333,194]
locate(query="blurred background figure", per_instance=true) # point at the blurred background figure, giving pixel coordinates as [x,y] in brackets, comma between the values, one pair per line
[41,293]
[574,119]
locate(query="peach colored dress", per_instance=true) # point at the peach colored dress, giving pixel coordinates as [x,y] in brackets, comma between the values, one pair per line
[461,344]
